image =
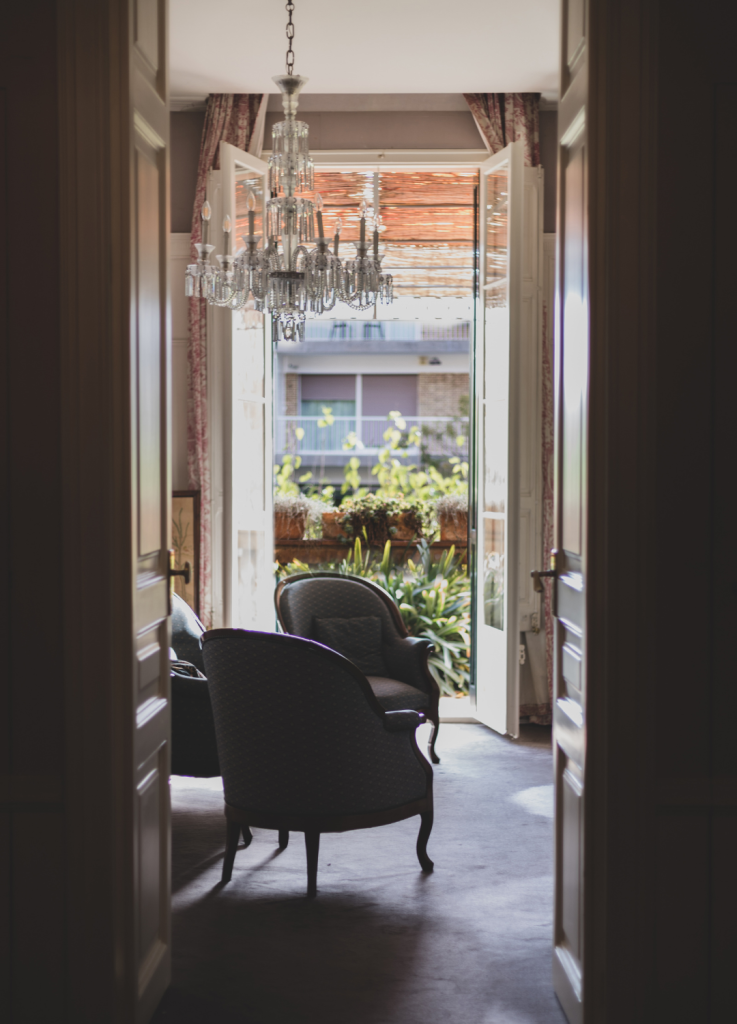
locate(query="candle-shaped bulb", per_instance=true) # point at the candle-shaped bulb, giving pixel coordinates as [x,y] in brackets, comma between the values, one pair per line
[205,213]
[336,237]
[251,204]
[318,204]
[226,224]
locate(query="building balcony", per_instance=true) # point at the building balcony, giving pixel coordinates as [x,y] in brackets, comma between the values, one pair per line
[364,436]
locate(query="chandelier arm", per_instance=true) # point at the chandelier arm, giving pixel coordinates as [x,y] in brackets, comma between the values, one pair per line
[289,282]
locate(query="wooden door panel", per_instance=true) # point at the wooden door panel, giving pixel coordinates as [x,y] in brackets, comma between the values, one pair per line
[148,369]
[571,431]
[574,344]
[151,485]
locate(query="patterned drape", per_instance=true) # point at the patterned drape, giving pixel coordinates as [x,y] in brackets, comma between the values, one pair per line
[504,117]
[237,119]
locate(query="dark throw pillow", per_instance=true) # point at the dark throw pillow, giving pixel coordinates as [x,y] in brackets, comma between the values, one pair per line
[357,639]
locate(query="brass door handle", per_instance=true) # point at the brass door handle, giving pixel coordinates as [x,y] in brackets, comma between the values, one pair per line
[186,571]
[537,576]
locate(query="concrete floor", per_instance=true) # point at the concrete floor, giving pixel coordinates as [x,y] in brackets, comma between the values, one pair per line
[382,943]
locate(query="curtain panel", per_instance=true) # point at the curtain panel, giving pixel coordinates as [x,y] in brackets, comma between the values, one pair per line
[238,119]
[504,117]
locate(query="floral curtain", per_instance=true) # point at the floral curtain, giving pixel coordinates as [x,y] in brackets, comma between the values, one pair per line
[504,117]
[239,120]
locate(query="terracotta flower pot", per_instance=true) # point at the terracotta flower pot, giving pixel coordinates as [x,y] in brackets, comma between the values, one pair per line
[287,527]
[331,527]
[403,528]
[454,528]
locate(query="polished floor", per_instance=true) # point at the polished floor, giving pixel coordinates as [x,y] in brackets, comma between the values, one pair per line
[382,943]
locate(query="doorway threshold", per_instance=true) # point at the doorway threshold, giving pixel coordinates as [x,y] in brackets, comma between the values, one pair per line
[457,710]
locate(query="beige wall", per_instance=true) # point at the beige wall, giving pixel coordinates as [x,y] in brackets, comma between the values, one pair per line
[440,394]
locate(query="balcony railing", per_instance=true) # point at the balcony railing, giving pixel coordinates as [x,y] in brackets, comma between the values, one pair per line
[303,435]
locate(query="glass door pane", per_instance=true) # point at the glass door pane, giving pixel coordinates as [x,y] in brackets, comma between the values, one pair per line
[495,636]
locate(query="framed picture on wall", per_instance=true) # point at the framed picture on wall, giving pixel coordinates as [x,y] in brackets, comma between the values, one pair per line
[185,540]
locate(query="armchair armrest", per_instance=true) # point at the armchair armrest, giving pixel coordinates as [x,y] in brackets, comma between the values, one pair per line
[406,660]
[403,721]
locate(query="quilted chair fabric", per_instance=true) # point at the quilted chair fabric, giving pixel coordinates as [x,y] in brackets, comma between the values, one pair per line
[299,732]
[357,639]
[304,601]
[186,630]
[193,745]
[396,696]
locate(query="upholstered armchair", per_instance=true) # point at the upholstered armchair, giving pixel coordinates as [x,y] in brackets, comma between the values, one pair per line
[360,620]
[193,745]
[305,746]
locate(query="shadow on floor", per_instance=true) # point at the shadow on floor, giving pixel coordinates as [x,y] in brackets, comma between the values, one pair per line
[382,943]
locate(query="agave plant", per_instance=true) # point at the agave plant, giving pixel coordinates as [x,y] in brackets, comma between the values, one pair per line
[434,599]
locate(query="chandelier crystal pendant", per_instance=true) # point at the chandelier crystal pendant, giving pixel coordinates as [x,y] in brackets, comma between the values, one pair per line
[286,277]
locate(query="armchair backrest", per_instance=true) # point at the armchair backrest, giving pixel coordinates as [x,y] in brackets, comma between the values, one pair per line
[302,599]
[298,727]
[186,630]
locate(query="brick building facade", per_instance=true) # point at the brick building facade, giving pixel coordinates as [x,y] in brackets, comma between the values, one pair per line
[442,394]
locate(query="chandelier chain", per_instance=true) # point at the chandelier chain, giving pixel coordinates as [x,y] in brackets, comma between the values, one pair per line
[290,37]
[305,272]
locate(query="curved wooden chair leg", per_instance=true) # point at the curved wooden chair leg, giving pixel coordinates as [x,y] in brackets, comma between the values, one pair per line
[283,839]
[312,845]
[425,829]
[233,831]
[434,759]
[247,837]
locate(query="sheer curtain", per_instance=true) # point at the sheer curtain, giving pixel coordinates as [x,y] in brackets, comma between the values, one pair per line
[501,118]
[238,119]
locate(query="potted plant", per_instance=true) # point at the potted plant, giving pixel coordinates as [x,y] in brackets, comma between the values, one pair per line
[332,524]
[292,512]
[452,513]
[377,520]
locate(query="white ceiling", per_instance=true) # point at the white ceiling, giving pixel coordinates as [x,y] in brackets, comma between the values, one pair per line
[366,46]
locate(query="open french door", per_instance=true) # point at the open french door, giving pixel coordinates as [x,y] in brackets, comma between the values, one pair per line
[507,433]
[240,392]
[496,376]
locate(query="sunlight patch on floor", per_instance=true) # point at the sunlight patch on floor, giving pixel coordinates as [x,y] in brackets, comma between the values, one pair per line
[536,800]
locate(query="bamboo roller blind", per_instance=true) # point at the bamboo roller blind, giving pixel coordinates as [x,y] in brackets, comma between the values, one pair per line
[428,216]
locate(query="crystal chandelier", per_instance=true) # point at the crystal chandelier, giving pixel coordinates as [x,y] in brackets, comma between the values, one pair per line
[286,277]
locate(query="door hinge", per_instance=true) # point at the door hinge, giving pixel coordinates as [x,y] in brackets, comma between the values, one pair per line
[522,654]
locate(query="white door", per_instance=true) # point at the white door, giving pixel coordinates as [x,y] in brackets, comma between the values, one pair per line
[496,375]
[240,378]
[569,596]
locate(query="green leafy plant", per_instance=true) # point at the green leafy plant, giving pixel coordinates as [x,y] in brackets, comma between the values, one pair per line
[377,518]
[434,599]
